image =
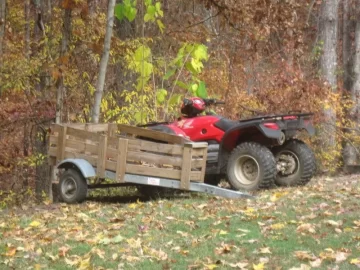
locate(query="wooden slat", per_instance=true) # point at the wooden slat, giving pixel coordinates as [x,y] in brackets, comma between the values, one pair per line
[80,146]
[142,145]
[151,171]
[199,152]
[196,145]
[112,128]
[61,143]
[197,163]
[77,125]
[96,127]
[52,151]
[91,159]
[55,128]
[203,165]
[196,176]
[83,134]
[53,140]
[186,167]
[121,160]
[156,135]
[154,158]
[100,170]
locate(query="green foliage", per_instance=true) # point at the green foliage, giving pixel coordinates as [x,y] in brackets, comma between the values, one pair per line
[153,13]
[126,9]
[161,96]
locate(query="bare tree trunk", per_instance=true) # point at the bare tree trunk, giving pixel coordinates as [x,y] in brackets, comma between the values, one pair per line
[2,26]
[350,155]
[328,62]
[66,33]
[355,89]
[103,62]
[27,29]
[346,37]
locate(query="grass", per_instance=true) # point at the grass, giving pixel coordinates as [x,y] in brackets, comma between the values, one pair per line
[290,228]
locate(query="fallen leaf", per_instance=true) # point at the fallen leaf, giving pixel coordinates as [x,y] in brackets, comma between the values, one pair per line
[304,255]
[210,266]
[277,226]
[357,222]
[306,227]
[265,250]
[316,263]
[333,223]
[84,264]
[259,266]
[10,252]
[302,267]
[70,262]
[117,239]
[277,195]
[223,232]
[202,206]
[63,250]
[35,223]
[241,265]
[355,261]
[341,256]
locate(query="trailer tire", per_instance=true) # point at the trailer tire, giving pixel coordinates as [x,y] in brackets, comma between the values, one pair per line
[251,166]
[72,186]
[304,163]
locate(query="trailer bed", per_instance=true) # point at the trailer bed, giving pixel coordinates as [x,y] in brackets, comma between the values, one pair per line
[116,152]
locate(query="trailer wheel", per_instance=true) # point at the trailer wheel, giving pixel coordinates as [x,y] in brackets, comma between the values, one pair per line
[251,166]
[295,163]
[72,186]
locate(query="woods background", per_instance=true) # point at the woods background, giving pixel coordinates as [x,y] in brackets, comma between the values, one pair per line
[260,56]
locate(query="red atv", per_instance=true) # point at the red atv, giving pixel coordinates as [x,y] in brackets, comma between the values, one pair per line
[250,153]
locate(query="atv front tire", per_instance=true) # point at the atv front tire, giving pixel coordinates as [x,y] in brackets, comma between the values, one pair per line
[251,166]
[296,163]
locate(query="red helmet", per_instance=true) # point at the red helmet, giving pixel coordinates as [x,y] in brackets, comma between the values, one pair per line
[193,106]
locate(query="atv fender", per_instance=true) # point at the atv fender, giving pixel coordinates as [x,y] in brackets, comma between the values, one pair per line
[232,137]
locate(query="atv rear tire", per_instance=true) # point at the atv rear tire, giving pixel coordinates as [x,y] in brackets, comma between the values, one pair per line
[251,166]
[296,163]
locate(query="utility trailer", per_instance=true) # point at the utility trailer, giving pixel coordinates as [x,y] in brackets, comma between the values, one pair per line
[86,154]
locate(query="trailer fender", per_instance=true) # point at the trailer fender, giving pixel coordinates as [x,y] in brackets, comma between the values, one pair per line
[82,165]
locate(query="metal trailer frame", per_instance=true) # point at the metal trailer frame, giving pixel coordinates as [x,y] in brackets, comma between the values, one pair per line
[97,151]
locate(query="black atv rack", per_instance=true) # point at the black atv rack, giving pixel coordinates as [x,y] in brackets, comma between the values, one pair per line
[276,117]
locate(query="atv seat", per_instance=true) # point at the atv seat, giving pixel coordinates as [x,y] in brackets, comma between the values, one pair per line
[225,124]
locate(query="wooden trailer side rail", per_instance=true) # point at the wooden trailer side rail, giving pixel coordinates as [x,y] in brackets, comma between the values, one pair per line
[104,149]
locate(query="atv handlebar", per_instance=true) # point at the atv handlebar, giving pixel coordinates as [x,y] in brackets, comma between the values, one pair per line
[212,101]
